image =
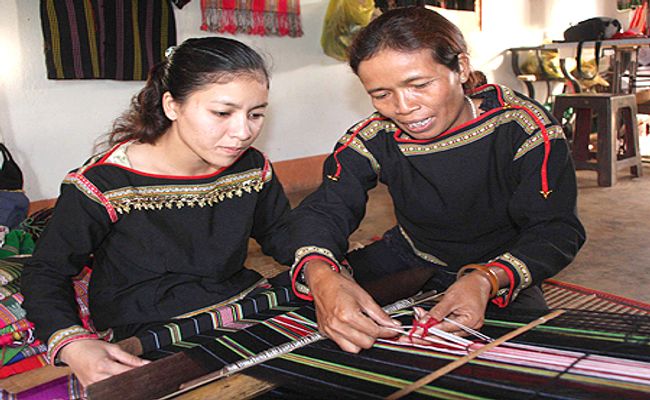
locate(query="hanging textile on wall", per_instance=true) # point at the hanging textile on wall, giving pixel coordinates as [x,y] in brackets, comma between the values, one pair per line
[252,17]
[105,39]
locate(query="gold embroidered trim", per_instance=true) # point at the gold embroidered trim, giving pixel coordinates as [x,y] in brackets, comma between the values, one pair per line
[425,256]
[525,278]
[554,132]
[233,299]
[70,179]
[511,98]
[303,252]
[126,199]
[521,117]
[373,128]
[358,146]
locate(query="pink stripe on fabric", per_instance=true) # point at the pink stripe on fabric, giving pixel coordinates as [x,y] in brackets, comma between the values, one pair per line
[119,38]
[74,38]
[107,204]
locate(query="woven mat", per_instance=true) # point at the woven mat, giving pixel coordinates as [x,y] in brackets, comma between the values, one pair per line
[567,295]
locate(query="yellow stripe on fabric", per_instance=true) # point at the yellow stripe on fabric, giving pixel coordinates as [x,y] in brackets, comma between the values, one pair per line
[374,377]
[137,49]
[164,31]
[56,39]
[235,347]
[606,382]
[92,38]
[272,298]
[185,345]
[174,332]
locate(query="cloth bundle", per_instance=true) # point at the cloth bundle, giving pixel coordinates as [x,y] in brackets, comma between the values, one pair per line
[252,17]
[19,349]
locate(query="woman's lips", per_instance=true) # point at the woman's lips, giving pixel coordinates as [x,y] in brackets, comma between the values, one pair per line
[419,126]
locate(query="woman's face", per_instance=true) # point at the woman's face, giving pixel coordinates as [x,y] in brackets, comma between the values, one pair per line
[422,97]
[217,123]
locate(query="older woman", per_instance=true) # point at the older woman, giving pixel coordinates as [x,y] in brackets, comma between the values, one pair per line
[482,182]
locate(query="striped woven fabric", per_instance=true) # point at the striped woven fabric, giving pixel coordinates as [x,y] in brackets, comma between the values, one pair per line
[105,39]
[322,370]
[178,334]
[9,271]
[252,17]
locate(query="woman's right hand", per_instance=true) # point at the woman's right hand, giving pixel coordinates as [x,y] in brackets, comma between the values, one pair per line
[346,313]
[93,360]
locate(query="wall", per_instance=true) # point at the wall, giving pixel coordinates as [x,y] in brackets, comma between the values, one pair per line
[51,126]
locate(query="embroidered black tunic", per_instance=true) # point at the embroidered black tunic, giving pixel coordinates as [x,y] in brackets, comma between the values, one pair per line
[499,189]
[160,245]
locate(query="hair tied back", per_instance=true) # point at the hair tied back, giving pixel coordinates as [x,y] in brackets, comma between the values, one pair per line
[170,52]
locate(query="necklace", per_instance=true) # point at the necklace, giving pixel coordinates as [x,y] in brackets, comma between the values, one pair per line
[472,107]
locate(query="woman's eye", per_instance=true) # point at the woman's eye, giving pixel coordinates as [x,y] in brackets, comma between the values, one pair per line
[221,113]
[422,85]
[256,115]
[379,96]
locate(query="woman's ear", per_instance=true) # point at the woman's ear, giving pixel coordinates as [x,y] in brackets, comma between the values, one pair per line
[464,67]
[170,106]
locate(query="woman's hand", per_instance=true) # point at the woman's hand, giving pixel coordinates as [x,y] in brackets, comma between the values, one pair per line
[92,360]
[346,313]
[464,302]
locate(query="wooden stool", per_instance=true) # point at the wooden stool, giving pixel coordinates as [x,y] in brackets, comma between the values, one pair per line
[617,144]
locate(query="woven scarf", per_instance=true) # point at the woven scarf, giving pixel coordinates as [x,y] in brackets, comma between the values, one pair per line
[252,17]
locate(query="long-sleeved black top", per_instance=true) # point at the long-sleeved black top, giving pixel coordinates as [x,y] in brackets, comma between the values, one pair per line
[159,246]
[499,189]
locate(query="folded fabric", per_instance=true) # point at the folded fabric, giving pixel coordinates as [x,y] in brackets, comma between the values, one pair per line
[14,329]
[9,289]
[64,388]
[35,223]
[11,310]
[9,271]
[17,242]
[27,364]
[12,355]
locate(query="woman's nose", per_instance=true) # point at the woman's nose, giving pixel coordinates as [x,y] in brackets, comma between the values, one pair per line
[404,104]
[241,129]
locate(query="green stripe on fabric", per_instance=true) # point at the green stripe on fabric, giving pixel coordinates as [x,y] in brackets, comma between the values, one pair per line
[56,38]
[602,335]
[374,377]
[137,48]
[235,347]
[174,332]
[92,38]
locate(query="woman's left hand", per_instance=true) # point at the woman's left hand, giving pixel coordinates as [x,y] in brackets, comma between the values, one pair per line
[464,302]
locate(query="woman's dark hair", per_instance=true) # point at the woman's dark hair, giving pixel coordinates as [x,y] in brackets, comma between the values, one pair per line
[409,29]
[189,67]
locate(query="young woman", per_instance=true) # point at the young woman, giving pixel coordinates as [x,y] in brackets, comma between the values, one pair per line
[482,182]
[164,216]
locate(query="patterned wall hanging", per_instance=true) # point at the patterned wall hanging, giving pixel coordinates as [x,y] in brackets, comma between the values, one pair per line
[106,39]
[252,17]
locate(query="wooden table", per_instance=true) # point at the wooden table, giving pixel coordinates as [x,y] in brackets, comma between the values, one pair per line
[625,61]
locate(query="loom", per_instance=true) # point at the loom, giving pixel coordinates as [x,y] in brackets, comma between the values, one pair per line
[560,359]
